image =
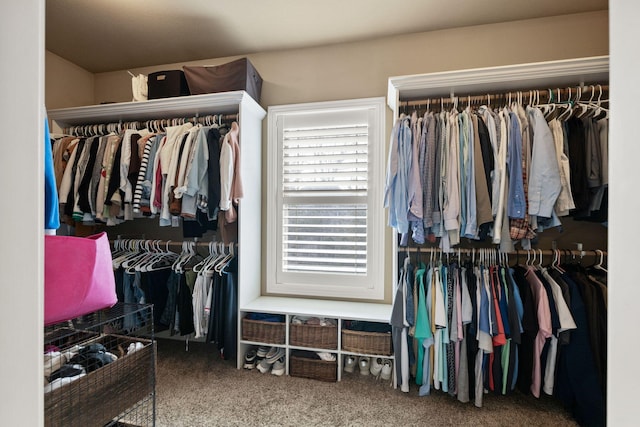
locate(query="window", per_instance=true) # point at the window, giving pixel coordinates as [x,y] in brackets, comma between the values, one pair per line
[324,209]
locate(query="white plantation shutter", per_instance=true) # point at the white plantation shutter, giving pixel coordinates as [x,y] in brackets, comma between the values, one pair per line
[320,164]
[324,237]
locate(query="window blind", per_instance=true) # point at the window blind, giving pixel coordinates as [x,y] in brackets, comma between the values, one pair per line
[324,186]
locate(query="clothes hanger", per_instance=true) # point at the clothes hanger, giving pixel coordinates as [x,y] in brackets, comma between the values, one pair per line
[222,265]
[584,107]
[600,112]
[210,267]
[568,106]
[212,253]
[163,260]
[141,252]
[152,252]
[600,260]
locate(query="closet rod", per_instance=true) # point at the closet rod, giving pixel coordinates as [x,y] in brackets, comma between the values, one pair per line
[547,252]
[164,243]
[93,128]
[587,93]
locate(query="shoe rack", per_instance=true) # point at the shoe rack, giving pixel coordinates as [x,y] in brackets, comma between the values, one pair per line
[339,311]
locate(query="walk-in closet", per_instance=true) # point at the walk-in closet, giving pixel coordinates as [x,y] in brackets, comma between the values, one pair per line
[286,214]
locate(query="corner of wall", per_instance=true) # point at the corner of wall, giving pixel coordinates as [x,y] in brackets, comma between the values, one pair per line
[67,84]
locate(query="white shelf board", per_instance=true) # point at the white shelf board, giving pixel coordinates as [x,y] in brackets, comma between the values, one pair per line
[179,106]
[310,307]
[550,74]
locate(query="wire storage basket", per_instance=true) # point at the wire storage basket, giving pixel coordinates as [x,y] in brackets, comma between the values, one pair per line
[100,369]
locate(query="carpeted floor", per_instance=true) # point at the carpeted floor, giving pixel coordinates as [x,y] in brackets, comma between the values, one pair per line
[197,388]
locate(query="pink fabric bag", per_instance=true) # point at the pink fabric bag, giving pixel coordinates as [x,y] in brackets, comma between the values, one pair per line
[78,276]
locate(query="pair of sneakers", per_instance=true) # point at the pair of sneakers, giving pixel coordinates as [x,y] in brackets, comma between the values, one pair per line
[253,356]
[363,363]
[380,368]
[274,361]
[376,366]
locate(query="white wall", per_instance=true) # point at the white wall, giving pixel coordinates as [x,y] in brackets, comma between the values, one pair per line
[22,178]
[624,206]
[66,84]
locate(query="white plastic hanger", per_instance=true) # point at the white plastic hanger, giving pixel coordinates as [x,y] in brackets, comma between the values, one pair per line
[600,260]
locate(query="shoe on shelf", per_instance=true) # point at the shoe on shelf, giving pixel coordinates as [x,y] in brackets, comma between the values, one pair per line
[363,362]
[274,354]
[387,369]
[262,351]
[376,366]
[264,366]
[329,357]
[278,367]
[350,363]
[250,359]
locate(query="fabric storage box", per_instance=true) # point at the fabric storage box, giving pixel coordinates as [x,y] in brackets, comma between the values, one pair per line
[78,276]
[236,75]
[315,369]
[313,336]
[377,343]
[101,395]
[167,84]
[263,331]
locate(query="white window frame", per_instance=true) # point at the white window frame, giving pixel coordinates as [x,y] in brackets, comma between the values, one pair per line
[367,287]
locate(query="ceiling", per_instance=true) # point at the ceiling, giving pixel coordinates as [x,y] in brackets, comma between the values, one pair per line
[107,35]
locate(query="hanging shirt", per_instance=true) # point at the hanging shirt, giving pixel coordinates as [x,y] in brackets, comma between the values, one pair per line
[430,185]
[397,184]
[500,173]
[516,207]
[195,188]
[423,333]
[452,186]
[544,179]
[544,324]
[230,178]
[564,202]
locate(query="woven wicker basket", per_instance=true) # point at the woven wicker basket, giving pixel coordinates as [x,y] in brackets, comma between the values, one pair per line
[98,397]
[262,331]
[316,369]
[314,336]
[378,343]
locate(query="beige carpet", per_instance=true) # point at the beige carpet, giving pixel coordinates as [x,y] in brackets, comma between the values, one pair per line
[197,388]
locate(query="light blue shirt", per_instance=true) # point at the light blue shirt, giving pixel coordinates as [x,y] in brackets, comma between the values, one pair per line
[516,203]
[544,180]
[471,229]
[396,196]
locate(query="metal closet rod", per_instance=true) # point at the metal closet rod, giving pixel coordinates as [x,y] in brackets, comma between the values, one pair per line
[551,95]
[141,124]
[547,252]
[165,243]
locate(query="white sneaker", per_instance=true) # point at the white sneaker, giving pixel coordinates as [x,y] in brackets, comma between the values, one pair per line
[376,366]
[264,366]
[349,363]
[278,367]
[364,365]
[387,369]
